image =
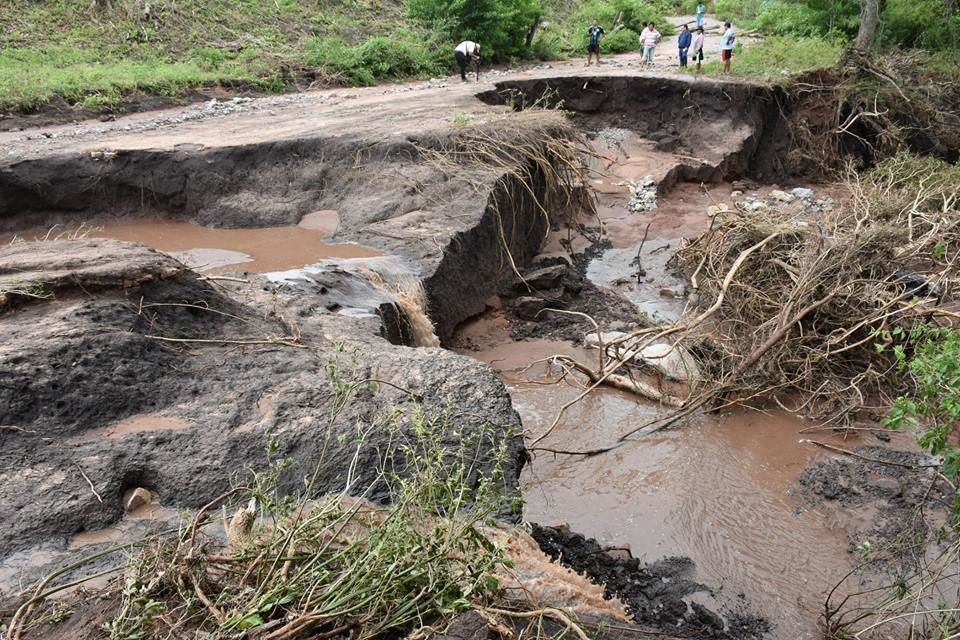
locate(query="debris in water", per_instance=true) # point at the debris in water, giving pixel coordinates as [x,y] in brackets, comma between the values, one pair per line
[644,195]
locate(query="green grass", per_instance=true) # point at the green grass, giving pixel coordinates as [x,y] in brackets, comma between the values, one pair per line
[779,57]
[97,59]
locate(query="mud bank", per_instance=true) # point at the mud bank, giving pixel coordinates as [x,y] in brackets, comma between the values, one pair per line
[453,224]
[717,130]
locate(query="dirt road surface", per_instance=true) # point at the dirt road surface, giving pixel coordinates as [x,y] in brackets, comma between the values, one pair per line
[386,109]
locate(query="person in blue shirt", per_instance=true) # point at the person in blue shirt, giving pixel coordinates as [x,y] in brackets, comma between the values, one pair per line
[726,46]
[683,41]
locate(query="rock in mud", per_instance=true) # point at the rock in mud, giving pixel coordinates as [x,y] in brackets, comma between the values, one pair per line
[781,196]
[883,496]
[542,278]
[139,497]
[244,367]
[528,307]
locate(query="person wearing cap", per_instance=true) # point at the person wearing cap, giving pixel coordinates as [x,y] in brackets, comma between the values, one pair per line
[464,53]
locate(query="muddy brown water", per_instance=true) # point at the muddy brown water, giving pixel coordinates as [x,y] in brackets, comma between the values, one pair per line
[212,250]
[719,489]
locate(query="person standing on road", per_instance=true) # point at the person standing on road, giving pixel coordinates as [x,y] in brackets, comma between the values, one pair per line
[683,42]
[697,50]
[701,13]
[595,35]
[464,53]
[726,46]
[649,39]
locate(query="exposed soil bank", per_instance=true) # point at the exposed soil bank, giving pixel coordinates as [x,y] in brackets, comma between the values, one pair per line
[444,221]
[702,121]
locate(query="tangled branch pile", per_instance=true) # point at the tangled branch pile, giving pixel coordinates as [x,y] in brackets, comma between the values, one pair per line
[873,108]
[809,310]
[819,311]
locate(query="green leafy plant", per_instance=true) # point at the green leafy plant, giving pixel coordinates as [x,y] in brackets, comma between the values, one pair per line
[933,410]
[500,26]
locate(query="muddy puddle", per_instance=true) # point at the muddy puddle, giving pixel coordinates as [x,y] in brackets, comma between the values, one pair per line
[212,250]
[718,490]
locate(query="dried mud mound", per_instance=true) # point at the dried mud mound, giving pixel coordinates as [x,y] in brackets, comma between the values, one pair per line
[238,366]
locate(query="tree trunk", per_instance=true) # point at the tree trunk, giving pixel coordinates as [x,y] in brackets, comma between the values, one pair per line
[869,19]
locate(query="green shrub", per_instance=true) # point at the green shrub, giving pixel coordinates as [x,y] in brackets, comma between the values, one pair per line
[401,55]
[635,14]
[621,42]
[916,23]
[933,411]
[501,27]
[548,45]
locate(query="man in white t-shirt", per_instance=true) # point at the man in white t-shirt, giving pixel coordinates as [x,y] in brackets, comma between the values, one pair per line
[465,52]
[726,46]
[649,38]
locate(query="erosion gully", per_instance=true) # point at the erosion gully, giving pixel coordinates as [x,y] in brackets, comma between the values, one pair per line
[718,489]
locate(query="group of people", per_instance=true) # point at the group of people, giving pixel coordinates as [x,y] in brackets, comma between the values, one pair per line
[689,43]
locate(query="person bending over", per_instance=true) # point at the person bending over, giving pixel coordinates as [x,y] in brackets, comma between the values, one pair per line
[464,53]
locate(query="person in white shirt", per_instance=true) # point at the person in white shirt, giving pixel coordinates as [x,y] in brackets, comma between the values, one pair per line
[726,46]
[649,38]
[697,47]
[464,53]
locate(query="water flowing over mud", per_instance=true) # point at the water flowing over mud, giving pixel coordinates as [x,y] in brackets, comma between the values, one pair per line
[720,490]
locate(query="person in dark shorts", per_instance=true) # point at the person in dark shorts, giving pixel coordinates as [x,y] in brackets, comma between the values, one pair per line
[726,46]
[464,53]
[595,34]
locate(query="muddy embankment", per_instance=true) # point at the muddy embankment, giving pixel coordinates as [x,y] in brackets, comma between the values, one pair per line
[221,370]
[715,130]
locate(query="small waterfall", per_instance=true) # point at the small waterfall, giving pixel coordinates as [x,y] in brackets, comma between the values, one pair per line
[389,275]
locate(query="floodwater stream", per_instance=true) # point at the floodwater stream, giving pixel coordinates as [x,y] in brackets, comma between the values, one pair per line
[718,489]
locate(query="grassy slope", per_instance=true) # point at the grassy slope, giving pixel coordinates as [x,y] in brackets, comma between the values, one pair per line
[94,57]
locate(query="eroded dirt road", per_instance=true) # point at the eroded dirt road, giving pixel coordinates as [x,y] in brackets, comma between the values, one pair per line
[373,111]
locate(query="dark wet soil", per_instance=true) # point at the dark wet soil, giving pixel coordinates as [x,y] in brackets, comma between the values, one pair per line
[655,594]
[903,499]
